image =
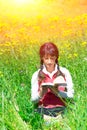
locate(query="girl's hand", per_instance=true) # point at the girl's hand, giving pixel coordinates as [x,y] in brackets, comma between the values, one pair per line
[42,91]
[54,90]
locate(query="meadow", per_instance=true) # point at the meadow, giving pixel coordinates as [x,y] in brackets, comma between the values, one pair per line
[20,40]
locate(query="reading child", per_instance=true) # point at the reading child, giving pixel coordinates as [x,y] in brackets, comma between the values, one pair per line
[51,84]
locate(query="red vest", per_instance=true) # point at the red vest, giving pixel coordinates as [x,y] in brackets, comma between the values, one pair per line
[50,100]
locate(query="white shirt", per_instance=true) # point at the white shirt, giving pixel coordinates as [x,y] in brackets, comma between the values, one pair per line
[34,82]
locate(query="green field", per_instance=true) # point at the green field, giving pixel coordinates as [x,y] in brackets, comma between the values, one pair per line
[19,59]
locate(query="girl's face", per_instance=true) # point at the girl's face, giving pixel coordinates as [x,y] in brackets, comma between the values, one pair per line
[49,62]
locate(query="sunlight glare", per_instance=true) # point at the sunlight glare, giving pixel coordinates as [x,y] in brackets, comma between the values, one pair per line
[24,1]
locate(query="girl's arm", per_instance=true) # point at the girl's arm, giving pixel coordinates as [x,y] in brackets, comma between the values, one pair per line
[70,89]
[36,92]
[34,88]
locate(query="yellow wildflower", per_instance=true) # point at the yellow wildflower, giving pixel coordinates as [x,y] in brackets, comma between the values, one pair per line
[67,32]
[75,54]
[1,74]
[52,26]
[1,53]
[67,45]
[55,18]
[69,56]
[84,44]
[36,28]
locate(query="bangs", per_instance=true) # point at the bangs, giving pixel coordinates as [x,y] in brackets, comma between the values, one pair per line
[49,49]
[49,52]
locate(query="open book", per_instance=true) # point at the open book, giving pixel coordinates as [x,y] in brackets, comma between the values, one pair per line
[47,84]
[59,81]
[52,84]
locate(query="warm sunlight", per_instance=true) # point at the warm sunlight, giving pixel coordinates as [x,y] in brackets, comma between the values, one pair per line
[27,2]
[24,1]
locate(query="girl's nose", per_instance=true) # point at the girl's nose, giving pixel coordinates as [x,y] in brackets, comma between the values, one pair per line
[49,60]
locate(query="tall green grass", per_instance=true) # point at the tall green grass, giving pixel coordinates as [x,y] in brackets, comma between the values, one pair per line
[18,63]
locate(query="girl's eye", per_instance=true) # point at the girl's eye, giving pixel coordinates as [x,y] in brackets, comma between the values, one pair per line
[45,58]
[52,58]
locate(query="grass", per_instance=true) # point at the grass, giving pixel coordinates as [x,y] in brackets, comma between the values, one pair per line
[16,69]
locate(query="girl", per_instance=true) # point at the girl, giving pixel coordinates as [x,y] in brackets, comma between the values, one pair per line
[51,84]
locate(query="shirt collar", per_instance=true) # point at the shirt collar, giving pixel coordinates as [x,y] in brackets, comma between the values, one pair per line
[50,74]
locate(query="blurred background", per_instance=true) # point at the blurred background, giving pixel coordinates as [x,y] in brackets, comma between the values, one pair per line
[23,20]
